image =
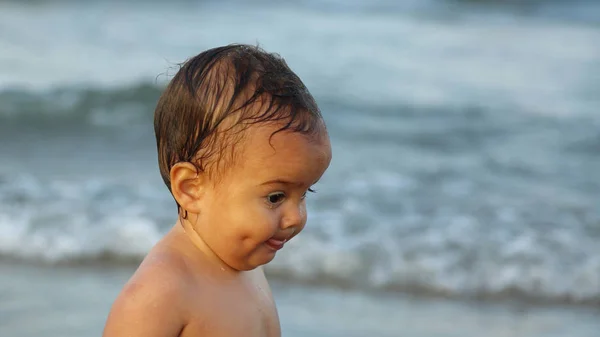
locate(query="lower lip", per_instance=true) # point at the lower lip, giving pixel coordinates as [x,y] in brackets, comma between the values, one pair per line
[275,244]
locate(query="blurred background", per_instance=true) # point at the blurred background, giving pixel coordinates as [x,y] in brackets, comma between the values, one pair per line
[463,198]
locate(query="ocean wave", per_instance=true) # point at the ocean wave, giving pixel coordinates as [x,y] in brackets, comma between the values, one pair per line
[437,251]
[382,57]
[100,107]
[466,146]
[516,271]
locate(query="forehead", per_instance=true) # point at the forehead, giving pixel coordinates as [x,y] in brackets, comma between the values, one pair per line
[288,154]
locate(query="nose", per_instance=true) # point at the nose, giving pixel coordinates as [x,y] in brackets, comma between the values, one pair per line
[294,216]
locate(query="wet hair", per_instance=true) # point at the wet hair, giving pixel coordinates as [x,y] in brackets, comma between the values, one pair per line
[216,95]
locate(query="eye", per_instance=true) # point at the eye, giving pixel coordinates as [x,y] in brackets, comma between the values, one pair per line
[275,198]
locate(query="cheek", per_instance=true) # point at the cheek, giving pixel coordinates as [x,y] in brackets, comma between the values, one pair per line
[257,222]
[270,219]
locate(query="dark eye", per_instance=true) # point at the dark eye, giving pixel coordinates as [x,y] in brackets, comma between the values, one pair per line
[275,198]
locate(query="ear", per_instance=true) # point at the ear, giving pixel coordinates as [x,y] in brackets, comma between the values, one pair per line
[187,186]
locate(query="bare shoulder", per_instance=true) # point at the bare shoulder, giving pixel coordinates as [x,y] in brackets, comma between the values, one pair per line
[153,302]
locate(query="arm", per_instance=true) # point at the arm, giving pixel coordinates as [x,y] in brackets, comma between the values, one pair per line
[152,309]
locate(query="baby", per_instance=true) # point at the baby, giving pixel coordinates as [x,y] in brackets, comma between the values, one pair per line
[240,142]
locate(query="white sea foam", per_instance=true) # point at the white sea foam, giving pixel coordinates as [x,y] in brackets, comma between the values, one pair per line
[448,253]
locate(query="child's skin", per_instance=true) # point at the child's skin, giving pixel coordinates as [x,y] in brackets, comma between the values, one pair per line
[204,278]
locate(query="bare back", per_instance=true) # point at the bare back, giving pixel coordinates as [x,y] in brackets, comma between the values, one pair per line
[175,292]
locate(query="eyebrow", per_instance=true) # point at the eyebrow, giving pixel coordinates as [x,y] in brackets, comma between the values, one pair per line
[284,182]
[279,181]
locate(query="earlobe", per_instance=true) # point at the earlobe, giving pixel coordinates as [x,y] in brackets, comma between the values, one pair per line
[187,186]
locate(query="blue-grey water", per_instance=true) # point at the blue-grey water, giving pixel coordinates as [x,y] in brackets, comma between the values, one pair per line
[466,136]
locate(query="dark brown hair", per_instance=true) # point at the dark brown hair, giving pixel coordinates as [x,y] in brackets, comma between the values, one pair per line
[225,89]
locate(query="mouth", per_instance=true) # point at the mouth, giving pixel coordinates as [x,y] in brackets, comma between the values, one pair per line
[275,244]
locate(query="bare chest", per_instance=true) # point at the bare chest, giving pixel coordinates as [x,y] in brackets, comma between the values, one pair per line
[235,313]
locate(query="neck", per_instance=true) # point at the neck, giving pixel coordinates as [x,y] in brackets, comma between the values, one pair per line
[188,230]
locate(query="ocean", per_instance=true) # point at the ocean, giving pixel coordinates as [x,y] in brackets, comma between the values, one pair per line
[464,187]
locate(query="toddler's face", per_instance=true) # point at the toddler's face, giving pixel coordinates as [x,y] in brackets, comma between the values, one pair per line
[260,202]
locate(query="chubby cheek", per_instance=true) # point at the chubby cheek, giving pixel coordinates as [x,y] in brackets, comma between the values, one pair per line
[269,222]
[257,224]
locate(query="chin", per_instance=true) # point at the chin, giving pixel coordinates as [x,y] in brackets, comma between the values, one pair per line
[260,260]
[268,260]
